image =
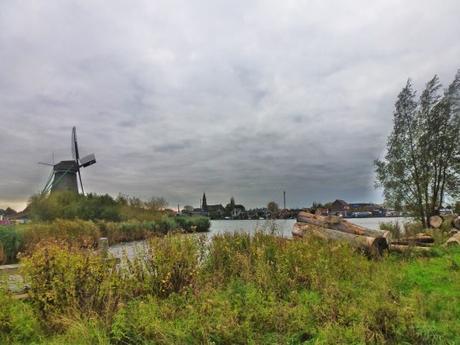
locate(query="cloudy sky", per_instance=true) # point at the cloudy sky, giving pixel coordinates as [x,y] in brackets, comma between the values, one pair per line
[242,98]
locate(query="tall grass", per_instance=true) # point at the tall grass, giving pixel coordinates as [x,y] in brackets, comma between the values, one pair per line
[240,289]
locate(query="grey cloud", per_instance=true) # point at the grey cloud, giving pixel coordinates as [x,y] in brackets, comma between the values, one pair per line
[245,99]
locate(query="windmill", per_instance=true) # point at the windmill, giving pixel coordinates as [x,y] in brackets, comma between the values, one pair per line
[64,174]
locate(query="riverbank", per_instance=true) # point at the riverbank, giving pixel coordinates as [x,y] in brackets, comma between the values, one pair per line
[236,289]
[19,239]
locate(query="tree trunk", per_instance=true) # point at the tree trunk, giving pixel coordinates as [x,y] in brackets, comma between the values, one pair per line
[411,243]
[371,245]
[339,224]
[419,238]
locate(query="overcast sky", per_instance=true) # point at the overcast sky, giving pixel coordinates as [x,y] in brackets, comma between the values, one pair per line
[242,98]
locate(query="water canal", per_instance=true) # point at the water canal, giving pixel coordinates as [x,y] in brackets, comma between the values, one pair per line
[280,227]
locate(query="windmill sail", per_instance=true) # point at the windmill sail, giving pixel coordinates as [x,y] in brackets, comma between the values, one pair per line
[74,145]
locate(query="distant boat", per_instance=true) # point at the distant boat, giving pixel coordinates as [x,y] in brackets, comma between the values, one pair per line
[361,214]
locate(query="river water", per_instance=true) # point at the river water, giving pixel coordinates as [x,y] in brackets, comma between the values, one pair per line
[280,227]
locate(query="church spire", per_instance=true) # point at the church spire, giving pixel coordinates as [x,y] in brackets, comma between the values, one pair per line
[204,205]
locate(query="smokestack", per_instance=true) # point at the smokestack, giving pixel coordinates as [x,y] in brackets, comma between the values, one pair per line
[284,199]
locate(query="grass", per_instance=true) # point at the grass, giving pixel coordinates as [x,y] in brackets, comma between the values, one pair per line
[237,289]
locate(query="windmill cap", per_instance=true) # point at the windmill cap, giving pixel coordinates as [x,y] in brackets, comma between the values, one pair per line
[69,166]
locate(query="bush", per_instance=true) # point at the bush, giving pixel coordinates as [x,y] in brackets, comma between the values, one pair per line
[67,281]
[169,265]
[70,205]
[79,233]
[124,231]
[18,322]
[11,243]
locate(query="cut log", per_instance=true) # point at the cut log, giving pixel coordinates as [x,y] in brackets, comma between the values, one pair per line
[404,248]
[371,245]
[411,243]
[297,230]
[454,240]
[339,224]
[456,222]
[435,221]
[419,238]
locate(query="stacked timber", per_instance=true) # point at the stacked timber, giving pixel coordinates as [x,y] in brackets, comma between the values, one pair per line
[373,242]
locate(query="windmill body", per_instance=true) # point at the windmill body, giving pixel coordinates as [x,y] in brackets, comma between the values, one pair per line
[65,177]
[65,173]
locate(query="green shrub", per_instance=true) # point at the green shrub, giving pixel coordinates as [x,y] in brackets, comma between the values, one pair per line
[18,322]
[79,233]
[68,281]
[170,265]
[11,243]
[165,225]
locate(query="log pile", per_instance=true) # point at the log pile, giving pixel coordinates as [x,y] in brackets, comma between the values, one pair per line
[371,241]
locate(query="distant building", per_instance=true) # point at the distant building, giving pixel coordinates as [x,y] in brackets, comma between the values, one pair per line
[370,208]
[360,209]
[238,212]
[340,208]
[216,211]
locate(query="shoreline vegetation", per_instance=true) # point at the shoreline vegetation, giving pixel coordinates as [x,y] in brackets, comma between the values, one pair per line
[235,289]
[80,220]
[23,238]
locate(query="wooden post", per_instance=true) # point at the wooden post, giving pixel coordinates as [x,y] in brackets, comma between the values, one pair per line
[103,246]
